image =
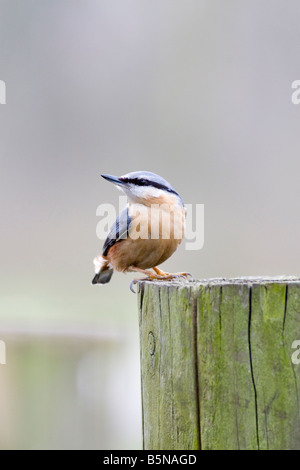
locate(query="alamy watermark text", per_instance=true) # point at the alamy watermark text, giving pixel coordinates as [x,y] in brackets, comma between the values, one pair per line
[2,352]
[2,92]
[159,221]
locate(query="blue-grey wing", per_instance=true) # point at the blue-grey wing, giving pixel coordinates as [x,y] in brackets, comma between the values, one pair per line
[118,231]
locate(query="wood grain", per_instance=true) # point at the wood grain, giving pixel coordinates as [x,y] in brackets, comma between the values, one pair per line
[216,363]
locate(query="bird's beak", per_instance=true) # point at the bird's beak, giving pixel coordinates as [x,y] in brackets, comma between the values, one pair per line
[113,179]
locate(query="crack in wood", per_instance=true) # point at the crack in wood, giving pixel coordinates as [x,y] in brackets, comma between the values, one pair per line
[251,365]
[196,370]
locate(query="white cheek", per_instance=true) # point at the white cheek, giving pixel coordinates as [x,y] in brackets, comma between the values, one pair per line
[119,188]
[142,192]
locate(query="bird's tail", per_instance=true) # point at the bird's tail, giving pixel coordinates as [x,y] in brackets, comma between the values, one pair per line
[103,271]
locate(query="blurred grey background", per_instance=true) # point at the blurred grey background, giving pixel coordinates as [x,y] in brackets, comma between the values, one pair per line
[197,91]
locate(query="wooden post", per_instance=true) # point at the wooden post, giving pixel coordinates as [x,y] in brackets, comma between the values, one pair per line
[216,364]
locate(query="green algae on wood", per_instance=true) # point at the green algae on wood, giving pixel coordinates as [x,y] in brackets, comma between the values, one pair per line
[216,364]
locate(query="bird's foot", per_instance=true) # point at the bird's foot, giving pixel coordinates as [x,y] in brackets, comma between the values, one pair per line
[135,281]
[167,276]
[159,276]
[150,277]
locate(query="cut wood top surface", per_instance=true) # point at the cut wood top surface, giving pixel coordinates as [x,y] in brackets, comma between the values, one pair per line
[248,280]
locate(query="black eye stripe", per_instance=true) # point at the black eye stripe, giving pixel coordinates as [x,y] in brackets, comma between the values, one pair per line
[145,182]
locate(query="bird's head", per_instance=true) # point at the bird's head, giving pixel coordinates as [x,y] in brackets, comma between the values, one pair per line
[144,187]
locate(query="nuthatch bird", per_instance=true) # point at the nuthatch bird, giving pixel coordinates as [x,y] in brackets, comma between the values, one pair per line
[146,233]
